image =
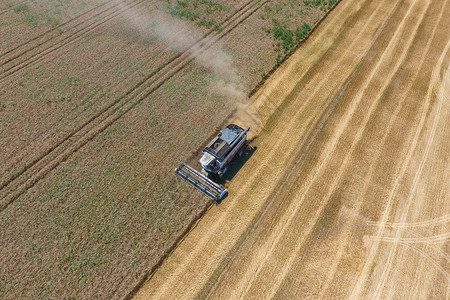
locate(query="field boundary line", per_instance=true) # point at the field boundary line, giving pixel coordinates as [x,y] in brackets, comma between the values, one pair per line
[204,236]
[304,149]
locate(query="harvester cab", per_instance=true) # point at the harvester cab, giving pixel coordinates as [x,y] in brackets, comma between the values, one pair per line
[215,161]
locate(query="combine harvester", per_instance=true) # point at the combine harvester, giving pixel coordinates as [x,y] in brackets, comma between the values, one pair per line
[215,161]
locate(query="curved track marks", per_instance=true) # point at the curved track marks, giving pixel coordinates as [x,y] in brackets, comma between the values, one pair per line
[358,203]
[433,222]
[336,181]
[337,162]
[441,97]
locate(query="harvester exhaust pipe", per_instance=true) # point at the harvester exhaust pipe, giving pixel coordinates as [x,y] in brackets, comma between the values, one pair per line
[201,182]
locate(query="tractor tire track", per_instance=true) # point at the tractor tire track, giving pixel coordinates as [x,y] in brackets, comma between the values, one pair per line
[433,261]
[349,226]
[154,73]
[435,239]
[415,287]
[11,8]
[33,172]
[273,151]
[434,83]
[438,250]
[280,139]
[332,148]
[427,223]
[417,176]
[386,70]
[17,61]
[54,30]
[430,259]
[366,269]
[151,75]
[21,153]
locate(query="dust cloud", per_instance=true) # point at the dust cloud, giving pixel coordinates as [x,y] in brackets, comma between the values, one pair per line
[207,52]
[181,36]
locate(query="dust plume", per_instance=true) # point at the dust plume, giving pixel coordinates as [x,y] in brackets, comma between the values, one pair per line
[182,37]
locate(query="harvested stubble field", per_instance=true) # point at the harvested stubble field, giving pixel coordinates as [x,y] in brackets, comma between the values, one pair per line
[98,104]
[347,195]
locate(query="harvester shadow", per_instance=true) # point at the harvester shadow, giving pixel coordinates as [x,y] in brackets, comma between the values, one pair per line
[236,164]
